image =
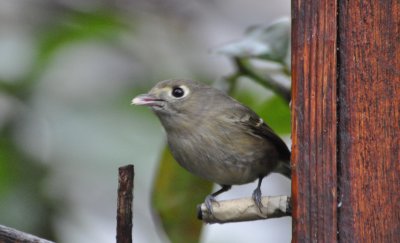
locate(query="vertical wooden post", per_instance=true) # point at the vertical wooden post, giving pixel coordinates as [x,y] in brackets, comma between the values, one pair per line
[369,121]
[314,180]
[346,120]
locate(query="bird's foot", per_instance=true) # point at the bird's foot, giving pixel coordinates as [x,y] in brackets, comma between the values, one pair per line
[257,198]
[210,199]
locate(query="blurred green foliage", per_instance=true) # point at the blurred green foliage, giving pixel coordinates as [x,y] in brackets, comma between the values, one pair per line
[23,203]
[79,26]
[176,192]
[21,193]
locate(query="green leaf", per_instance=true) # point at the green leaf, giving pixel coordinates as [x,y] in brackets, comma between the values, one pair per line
[276,113]
[175,196]
[271,43]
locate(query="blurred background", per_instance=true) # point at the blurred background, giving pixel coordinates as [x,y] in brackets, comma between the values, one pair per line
[68,71]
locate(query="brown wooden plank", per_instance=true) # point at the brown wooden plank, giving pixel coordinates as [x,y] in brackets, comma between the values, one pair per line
[369,120]
[314,180]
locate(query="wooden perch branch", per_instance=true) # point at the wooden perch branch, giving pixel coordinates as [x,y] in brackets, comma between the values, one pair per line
[244,209]
[125,197]
[12,235]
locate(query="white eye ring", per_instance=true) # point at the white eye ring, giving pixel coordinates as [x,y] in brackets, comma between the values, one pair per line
[179,92]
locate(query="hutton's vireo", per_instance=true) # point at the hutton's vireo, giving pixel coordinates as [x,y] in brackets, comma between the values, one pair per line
[215,137]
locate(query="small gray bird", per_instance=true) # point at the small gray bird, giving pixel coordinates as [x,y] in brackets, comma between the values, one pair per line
[215,137]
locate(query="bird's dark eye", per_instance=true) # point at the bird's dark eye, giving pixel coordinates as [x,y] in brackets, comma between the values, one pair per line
[177,92]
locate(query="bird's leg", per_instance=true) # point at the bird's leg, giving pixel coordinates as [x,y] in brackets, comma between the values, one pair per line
[211,198]
[257,194]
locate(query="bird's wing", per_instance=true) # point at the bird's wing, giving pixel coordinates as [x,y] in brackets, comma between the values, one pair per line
[252,122]
[249,122]
[259,128]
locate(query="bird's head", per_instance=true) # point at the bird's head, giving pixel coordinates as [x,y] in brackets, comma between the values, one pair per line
[169,96]
[179,100]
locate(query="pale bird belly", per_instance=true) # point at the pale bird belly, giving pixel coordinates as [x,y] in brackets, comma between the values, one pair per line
[219,163]
[220,169]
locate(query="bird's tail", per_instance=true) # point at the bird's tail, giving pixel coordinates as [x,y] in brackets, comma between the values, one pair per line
[284,169]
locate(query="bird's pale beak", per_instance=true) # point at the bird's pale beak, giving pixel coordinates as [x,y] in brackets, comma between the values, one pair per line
[147,100]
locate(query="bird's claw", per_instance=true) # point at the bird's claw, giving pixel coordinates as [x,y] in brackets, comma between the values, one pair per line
[208,202]
[257,198]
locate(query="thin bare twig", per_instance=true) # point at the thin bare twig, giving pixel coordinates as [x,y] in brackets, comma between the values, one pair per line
[12,235]
[125,198]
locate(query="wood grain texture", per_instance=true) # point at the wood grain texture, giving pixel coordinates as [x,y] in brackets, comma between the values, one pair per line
[314,133]
[369,121]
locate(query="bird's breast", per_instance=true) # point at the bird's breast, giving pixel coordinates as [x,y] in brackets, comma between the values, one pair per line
[218,157]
